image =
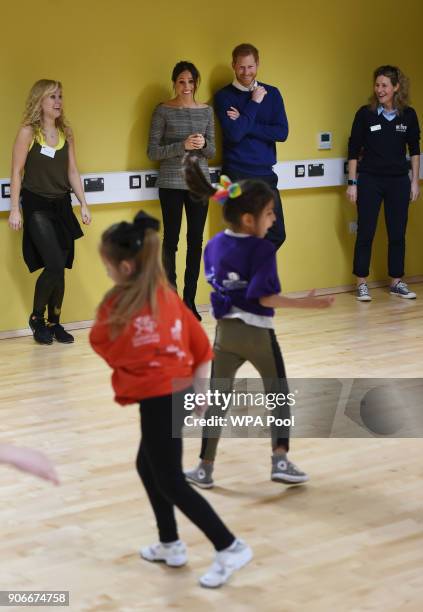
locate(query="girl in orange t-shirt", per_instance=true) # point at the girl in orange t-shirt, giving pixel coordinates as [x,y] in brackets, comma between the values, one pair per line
[151,339]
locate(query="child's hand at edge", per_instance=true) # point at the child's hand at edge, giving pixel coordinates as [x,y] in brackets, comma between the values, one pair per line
[30,461]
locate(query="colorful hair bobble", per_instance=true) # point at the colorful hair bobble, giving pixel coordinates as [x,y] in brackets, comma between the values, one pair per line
[235,190]
[226,190]
[220,196]
[225,181]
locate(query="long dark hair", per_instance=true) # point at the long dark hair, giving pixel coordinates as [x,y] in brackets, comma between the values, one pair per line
[138,242]
[394,74]
[253,198]
[189,66]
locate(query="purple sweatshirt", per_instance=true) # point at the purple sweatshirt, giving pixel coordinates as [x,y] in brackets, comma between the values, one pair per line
[241,270]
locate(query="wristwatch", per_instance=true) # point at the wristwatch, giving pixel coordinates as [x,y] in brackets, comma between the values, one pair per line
[352,181]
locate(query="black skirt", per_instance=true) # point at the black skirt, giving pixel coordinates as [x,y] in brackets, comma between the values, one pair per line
[66,226]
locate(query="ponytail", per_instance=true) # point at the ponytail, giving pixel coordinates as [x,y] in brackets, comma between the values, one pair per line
[237,199]
[195,179]
[138,242]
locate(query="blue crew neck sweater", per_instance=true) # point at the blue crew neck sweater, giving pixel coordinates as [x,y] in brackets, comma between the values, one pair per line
[249,141]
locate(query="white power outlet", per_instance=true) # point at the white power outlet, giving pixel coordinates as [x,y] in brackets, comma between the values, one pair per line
[352,227]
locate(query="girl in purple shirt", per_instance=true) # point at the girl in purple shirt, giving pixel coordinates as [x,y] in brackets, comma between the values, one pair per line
[241,267]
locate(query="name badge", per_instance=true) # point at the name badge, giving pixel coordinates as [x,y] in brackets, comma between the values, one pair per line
[49,151]
[375,128]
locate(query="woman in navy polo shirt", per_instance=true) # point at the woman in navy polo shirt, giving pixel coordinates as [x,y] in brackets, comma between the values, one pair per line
[377,149]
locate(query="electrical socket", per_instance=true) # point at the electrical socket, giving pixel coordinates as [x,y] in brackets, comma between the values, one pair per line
[352,227]
[93,184]
[299,170]
[316,169]
[214,176]
[5,190]
[151,180]
[135,181]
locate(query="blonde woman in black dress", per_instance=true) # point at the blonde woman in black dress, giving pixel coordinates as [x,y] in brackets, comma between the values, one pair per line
[44,172]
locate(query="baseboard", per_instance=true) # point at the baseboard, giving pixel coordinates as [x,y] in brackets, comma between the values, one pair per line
[410,280]
[204,308]
[17,333]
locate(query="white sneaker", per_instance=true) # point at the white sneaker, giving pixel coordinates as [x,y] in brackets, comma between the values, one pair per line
[226,562]
[173,554]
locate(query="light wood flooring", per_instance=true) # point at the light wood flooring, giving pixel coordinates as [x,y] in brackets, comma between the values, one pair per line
[352,539]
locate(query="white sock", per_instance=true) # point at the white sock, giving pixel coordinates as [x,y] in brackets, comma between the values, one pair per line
[169,544]
[231,547]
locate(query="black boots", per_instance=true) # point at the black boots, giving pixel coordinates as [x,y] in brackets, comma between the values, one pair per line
[42,333]
[190,304]
[60,334]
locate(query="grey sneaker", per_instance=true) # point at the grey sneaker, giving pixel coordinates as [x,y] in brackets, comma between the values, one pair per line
[201,476]
[285,471]
[401,290]
[362,293]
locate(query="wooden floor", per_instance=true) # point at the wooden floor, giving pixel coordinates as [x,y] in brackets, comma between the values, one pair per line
[350,540]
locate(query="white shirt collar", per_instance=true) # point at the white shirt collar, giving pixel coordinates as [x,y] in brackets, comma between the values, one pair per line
[238,85]
[229,232]
[387,113]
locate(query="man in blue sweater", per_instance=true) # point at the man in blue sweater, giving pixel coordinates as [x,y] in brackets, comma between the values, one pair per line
[252,116]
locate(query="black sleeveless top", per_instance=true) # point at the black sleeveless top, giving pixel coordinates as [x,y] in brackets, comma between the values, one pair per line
[46,190]
[44,175]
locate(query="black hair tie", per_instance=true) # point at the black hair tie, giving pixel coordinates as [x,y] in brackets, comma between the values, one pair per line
[131,235]
[142,221]
[122,234]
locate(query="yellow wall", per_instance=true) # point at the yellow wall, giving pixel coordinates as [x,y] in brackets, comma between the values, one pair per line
[115,61]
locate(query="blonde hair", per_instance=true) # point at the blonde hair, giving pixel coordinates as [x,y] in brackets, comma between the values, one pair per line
[394,74]
[133,242]
[33,113]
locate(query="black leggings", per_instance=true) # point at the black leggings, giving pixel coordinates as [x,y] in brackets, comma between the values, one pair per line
[172,202]
[50,285]
[159,464]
